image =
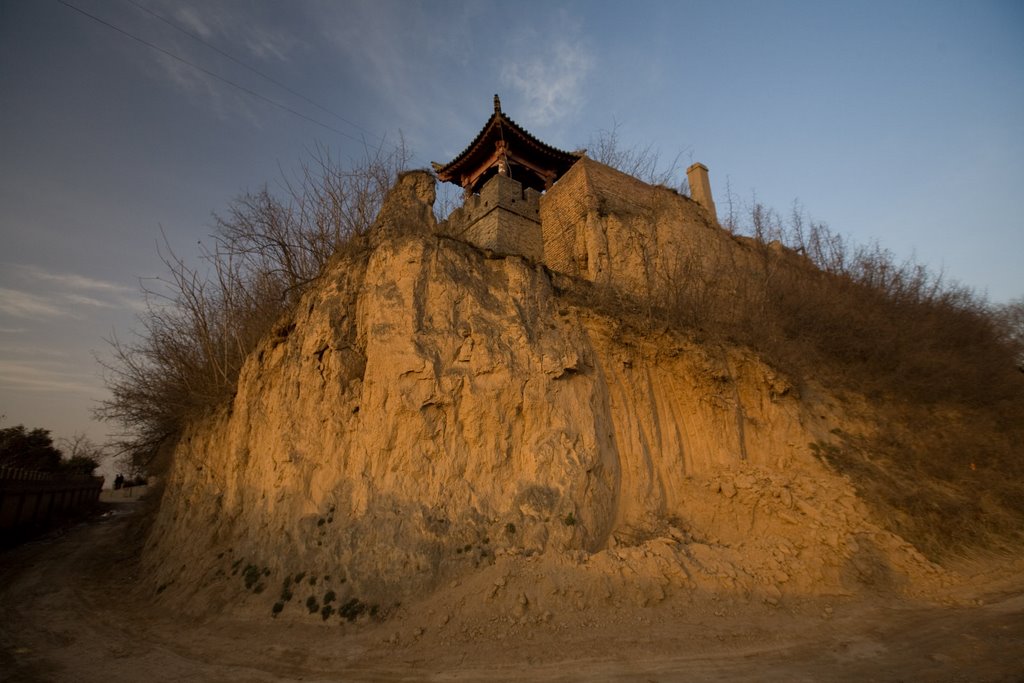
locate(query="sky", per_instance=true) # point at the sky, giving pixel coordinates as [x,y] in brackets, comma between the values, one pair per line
[899,122]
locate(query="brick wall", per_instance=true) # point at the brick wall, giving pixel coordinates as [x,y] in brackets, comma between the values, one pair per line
[604,226]
[608,227]
[503,218]
[563,215]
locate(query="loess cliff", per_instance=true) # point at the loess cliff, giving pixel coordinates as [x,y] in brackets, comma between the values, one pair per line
[433,412]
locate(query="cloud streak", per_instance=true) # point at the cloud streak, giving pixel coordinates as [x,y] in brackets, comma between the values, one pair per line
[249,33]
[73,281]
[551,78]
[36,377]
[21,304]
[190,41]
[45,294]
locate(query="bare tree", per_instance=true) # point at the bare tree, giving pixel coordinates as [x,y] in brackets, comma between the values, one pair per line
[643,163]
[1011,320]
[202,321]
[81,454]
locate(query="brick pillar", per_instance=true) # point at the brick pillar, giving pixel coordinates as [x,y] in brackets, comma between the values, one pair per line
[700,188]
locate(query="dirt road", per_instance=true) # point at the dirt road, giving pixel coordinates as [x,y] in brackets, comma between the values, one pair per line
[67,614]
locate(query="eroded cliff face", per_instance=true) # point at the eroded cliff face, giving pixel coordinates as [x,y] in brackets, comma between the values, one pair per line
[431,413]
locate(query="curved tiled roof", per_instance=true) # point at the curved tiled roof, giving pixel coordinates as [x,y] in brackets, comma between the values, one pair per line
[518,141]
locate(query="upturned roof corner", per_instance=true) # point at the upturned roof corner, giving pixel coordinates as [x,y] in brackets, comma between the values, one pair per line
[503,147]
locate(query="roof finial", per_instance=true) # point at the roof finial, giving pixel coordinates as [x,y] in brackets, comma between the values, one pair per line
[497,104]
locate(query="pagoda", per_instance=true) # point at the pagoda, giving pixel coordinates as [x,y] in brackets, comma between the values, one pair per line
[526,199]
[504,148]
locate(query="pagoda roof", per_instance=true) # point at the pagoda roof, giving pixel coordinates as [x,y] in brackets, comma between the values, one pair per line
[527,159]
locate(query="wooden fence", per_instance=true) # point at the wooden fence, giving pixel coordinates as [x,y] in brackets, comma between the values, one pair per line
[33,501]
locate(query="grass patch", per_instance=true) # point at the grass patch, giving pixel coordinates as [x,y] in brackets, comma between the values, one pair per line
[352,609]
[939,365]
[947,486]
[251,575]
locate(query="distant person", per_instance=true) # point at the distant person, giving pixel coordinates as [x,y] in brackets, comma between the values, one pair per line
[118,481]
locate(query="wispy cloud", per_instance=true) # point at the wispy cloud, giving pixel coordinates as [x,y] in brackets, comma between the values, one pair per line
[47,312]
[251,36]
[45,294]
[249,33]
[30,351]
[27,305]
[191,20]
[378,44]
[74,281]
[551,75]
[36,376]
[407,58]
[80,300]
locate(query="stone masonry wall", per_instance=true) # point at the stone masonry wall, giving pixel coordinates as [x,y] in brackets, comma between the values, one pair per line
[503,218]
[608,227]
[563,214]
[604,226]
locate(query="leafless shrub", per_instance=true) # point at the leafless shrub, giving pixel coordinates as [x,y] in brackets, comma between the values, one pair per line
[640,162]
[810,300]
[324,207]
[947,485]
[201,322]
[1011,319]
[936,360]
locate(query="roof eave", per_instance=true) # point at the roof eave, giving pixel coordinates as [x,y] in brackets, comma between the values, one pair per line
[448,171]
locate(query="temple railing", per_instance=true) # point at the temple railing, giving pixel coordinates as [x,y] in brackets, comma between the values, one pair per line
[32,501]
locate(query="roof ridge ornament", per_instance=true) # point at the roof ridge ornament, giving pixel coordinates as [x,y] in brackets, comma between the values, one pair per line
[503,147]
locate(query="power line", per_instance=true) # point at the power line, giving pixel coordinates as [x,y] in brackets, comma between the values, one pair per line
[210,73]
[251,68]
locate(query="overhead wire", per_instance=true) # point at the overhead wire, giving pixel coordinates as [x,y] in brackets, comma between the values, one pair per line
[209,73]
[236,60]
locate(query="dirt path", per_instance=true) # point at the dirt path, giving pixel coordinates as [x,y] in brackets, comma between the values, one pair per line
[62,620]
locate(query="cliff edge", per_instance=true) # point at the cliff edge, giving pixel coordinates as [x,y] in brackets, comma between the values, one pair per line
[432,413]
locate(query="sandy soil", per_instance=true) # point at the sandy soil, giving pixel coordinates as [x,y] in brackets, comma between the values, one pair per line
[68,614]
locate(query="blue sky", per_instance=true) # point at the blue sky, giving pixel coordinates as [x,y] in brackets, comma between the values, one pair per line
[901,122]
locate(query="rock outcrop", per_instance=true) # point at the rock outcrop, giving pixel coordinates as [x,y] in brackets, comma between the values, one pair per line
[429,411]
